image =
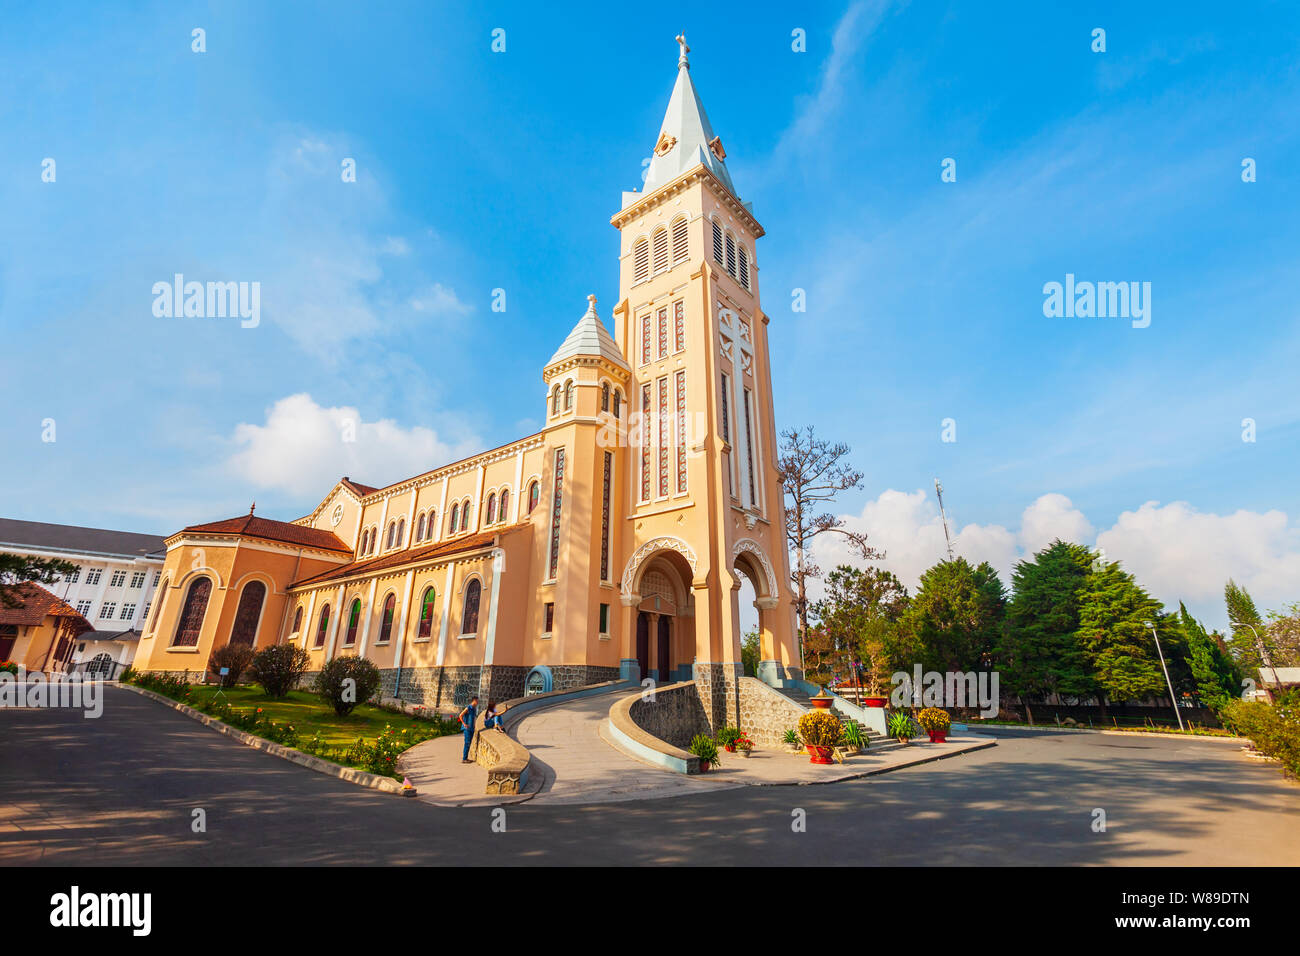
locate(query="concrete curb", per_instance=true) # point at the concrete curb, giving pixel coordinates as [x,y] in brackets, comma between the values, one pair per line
[360,777]
[984,744]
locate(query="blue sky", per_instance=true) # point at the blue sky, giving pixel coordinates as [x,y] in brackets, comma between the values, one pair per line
[480,170]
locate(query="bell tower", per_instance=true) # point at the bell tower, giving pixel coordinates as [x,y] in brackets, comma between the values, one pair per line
[703,499]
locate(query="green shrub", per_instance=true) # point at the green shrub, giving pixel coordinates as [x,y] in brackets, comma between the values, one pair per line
[791,737]
[235,658]
[1274,730]
[705,748]
[346,682]
[902,726]
[279,668]
[853,735]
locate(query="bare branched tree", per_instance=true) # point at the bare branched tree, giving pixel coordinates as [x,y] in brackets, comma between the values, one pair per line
[813,473]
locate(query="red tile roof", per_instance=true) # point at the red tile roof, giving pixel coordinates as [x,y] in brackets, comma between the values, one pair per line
[38,604]
[408,556]
[251,526]
[357,487]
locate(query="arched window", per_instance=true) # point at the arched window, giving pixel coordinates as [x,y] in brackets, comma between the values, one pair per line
[604,396]
[365,540]
[419,529]
[743,266]
[323,626]
[731,255]
[386,619]
[641,260]
[248,614]
[469,620]
[354,620]
[392,533]
[297,620]
[534,492]
[426,613]
[717,241]
[661,249]
[464,516]
[503,513]
[568,396]
[455,515]
[680,251]
[192,612]
[430,531]
[555,400]
[401,531]
[618,402]
[492,508]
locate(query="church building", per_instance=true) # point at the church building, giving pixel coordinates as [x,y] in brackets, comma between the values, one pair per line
[612,543]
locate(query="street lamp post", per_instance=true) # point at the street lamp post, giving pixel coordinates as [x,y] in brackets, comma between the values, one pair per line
[1150,625]
[1263,651]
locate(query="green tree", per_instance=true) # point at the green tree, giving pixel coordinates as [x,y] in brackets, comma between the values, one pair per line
[860,615]
[1248,628]
[1216,675]
[957,616]
[1284,636]
[1113,610]
[16,569]
[1039,651]
[749,651]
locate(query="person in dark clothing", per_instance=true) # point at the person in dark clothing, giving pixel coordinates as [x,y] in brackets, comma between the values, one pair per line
[467,718]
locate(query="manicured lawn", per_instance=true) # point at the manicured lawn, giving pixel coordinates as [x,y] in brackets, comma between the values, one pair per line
[310,715]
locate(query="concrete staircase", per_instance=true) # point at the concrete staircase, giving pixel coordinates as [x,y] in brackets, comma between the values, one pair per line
[875,739]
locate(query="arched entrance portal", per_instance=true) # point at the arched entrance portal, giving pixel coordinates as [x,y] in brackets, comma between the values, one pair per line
[751,566]
[664,647]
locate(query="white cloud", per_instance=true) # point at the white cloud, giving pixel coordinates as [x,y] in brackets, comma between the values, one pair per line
[1175,552]
[303,448]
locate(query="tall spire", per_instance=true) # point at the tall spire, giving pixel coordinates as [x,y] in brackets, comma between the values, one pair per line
[589,337]
[685,139]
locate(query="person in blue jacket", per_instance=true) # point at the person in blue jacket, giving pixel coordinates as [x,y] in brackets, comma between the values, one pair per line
[467,718]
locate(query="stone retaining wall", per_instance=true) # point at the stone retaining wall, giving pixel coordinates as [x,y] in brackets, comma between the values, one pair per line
[675,715]
[765,713]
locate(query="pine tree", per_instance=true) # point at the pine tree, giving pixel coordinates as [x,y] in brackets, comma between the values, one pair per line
[957,616]
[1039,652]
[1248,629]
[1112,631]
[1216,676]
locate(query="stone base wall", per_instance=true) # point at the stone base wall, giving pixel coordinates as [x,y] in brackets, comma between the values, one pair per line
[719,691]
[449,688]
[675,715]
[766,714]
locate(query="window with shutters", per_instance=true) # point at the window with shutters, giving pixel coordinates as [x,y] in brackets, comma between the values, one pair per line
[556,507]
[731,255]
[604,516]
[680,388]
[641,260]
[661,250]
[681,252]
[717,242]
[743,266]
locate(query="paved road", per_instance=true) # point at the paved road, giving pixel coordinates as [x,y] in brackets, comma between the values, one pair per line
[121,790]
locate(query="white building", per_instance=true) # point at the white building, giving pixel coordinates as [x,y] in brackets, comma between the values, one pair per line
[113,586]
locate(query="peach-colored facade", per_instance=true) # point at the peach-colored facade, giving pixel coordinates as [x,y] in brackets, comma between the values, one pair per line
[627,523]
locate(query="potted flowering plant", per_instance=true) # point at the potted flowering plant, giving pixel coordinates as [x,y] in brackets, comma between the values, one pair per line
[936,722]
[820,731]
[706,749]
[744,746]
[727,736]
[791,739]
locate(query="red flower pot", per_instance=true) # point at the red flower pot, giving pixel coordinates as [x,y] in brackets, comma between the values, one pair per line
[938,736]
[823,702]
[819,754]
[874,701]
[704,766]
[729,748]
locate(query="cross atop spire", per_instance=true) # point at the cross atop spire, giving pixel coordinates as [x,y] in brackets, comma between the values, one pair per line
[682,62]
